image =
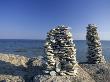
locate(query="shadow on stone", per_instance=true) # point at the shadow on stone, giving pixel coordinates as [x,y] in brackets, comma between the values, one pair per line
[11,72]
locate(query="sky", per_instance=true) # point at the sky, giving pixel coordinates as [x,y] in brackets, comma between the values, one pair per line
[32,19]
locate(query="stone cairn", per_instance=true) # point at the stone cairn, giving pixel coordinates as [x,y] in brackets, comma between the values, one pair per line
[61,52]
[94,46]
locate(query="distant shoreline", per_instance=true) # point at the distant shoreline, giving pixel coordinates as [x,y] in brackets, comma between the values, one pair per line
[44,39]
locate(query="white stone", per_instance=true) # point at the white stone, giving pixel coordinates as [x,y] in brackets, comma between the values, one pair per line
[52,73]
[46,71]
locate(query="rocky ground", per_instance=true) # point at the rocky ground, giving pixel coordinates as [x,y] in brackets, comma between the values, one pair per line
[82,76]
[100,73]
[22,69]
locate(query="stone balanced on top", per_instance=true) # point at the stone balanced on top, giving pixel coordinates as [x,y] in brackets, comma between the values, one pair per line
[61,52]
[94,46]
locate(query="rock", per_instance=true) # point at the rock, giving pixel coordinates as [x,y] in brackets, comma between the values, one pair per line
[81,77]
[13,68]
[59,46]
[35,66]
[94,46]
[47,72]
[99,72]
[10,78]
[58,67]
[52,73]
[62,73]
[57,70]
[14,59]
[32,72]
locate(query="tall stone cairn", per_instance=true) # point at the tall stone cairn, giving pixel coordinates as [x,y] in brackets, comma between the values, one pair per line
[94,46]
[61,52]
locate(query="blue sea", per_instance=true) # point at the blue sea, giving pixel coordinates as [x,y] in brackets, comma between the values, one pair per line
[34,48]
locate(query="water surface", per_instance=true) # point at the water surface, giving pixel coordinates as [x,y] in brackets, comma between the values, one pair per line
[33,48]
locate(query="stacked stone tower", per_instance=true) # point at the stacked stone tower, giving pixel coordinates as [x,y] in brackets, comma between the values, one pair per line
[94,46]
[61,52]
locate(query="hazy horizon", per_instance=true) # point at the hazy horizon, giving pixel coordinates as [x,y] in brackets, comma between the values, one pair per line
[44,39]
[32,19]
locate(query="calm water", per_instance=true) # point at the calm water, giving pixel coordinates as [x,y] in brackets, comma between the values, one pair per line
[33,48]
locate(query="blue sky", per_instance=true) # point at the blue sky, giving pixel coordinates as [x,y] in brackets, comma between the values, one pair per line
[32,19]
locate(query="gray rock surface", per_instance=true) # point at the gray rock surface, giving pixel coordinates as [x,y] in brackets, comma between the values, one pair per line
[81,77]
[31,71]
[99,72]
[11,78]
[12,68]
[14,59]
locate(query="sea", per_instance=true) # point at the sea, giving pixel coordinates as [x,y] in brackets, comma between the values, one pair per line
[35,48]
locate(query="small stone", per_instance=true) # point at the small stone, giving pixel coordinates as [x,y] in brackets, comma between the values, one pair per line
[52,64]
[62,74]
[58,66]
[58,70]
[71,74]
[69,66]
[53,73]
[49,54]
[46,71]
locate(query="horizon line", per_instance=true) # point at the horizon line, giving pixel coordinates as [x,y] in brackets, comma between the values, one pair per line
[37,39]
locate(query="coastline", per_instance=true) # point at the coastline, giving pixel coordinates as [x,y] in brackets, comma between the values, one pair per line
[22,69]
